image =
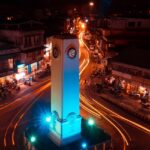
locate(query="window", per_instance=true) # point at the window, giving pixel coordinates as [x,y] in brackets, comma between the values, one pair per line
[10,63]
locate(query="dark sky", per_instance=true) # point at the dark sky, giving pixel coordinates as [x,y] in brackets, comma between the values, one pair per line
[37,2]
[104,5]
[115,2]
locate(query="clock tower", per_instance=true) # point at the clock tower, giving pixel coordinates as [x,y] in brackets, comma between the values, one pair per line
[65,105]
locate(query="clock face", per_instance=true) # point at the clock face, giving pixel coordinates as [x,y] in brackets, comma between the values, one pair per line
[55,52]
[72,53]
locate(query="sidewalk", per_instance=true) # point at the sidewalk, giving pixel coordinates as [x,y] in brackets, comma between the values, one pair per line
[14,93]
[126,103]
[23,89]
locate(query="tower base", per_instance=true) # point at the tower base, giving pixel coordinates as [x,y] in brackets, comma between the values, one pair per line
[62,142]
[94,137]
[66,131]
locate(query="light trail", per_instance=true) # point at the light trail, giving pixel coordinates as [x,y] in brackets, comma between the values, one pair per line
[20,118]
[90,111]
[37,91]
[87,61]
[129,137]
[23,114]
[89,108]
[9,126]
[22,111]
[107,119]
[82,64]
[3,104]
[89,105]
[18,99]
[114,114]
[86,64]
[137,125]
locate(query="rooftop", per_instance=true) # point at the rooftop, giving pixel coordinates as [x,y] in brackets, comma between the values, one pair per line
[25,25]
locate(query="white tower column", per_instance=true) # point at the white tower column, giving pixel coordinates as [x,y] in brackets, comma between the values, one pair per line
[65,104]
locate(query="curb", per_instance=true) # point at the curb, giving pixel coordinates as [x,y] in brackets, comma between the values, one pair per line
[130,110]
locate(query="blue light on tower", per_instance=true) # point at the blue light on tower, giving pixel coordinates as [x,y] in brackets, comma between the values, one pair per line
[84,145]
[45,118]
[65,126]
[33,139]
[48,119]
[91,122]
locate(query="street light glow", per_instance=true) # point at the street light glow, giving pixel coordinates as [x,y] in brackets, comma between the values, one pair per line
[48,119]
[86,20]
[91,122]
[33,139]
[83,26]
[84,145]
[91,4]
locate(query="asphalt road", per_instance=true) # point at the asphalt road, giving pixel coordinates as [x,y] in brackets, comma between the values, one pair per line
[12,113]
[127,132]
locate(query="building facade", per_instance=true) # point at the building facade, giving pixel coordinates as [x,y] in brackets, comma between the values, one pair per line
[28,40]
[123,32]
[8,58]
[131,78]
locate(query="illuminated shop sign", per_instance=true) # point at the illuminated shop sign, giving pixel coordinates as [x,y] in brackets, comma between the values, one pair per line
[20,66]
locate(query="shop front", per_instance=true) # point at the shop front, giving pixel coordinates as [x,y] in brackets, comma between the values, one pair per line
[7,78]
[133,88]
[21,72]
[142,90]
[34,67]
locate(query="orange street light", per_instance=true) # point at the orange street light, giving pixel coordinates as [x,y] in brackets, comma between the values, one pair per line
[83,26]
[91,4]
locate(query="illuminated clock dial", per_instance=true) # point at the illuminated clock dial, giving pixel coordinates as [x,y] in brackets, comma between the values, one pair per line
[72,53]
[55,52]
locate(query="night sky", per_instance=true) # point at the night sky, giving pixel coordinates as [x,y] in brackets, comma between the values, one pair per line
[103,6]
[104,2]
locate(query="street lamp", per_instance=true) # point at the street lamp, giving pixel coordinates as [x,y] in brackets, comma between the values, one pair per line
[91,122]
[48,119]
[86,20]
[33,139]
[83,26]
[91,4]
[84,145]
